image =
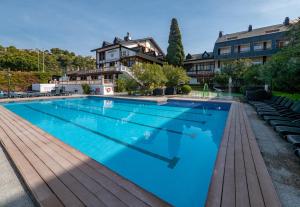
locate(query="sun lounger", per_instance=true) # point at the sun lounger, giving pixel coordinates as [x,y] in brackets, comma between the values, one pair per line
[286,116]
[288,107]
[283,106]
[265,102]
[294,139]
[279,102]
[284,130]
[294,123]
[297,152]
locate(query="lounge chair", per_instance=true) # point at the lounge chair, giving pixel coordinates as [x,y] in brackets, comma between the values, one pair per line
[294,123]
[297,152]
[288,108]
[267,101]
[288,116]
[294,139]
[279,101]
[287,103]
[285,130]
[274,102]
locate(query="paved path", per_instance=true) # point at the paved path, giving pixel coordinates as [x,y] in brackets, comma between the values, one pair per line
[282,164]
[12,193]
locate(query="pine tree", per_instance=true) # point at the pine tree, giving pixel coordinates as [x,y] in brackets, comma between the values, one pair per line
[175,52]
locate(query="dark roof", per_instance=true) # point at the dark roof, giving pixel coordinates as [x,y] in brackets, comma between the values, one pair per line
[201,56]
[105,43]
[255,32]
[121,41]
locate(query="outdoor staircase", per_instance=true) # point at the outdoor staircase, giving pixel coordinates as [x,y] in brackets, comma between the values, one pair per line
[127,71]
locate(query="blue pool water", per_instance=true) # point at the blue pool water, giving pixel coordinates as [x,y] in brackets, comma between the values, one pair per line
[168,149]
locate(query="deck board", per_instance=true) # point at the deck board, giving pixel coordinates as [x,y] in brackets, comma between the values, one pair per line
[240,177]
[59,175]
[67,176]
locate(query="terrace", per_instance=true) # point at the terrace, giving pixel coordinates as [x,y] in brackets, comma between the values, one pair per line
[57,174]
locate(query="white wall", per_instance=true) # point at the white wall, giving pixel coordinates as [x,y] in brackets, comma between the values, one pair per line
[43,88]
[112,55]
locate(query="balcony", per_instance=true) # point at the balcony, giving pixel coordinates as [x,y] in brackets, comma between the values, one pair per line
[89,82]
[95,71]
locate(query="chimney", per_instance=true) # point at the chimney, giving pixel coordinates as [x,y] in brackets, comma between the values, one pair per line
[127,37]
[249,28]
[220,34]
[286,21]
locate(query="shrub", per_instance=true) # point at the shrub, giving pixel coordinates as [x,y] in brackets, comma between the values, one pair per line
[151,75]
[175,75]
[121,85]
[186,89]
[131,85]
[86,88]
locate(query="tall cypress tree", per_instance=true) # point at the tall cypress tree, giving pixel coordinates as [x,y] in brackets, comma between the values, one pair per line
[175,52]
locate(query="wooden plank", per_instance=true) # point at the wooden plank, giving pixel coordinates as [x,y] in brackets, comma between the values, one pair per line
[214,195]
[86,173]
[241,190]
[267,188]
[254,191]
[35,183]
[228,194]
[101,193]
[61,191]
[111,176]
[80,190]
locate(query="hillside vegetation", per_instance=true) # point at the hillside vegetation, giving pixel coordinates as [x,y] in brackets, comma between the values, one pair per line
[32,60]
[26,66]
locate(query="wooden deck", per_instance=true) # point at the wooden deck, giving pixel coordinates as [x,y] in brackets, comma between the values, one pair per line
[58,175]
[240,177]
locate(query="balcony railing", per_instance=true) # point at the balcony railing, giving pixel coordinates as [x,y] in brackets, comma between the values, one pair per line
[203,72]
[90,82]
[99,70]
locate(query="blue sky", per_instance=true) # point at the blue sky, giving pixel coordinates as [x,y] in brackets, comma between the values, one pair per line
[81,25]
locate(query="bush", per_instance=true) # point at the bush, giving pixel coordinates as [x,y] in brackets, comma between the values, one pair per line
[121,85]
[175,75]
[86,88]
[131,85]
[186,89]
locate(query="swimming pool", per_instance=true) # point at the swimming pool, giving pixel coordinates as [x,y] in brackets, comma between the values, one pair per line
[168,149]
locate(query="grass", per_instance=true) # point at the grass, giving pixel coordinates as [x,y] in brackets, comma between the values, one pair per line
[293,96]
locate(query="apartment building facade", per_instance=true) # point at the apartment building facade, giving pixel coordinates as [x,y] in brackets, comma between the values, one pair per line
[258,45]
[117,57]
[254,44]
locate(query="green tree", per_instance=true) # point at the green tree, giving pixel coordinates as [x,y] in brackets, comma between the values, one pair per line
[175,75]
[282,72]
[175,52]
[235,70]
[151,75]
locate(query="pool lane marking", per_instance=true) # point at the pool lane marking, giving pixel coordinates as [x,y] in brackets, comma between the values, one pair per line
[118,109]
[171,162]
[128,121]
[186,112]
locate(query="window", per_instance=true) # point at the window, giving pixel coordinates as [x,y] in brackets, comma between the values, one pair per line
[281,43]
[256,61]
[225,50]
[245,48]
[258,46]
[101,56]
[268,45]
[124,53]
